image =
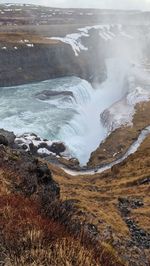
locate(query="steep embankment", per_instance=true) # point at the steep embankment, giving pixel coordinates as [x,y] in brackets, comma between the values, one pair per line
[37,225]
[110,209]
[119,141]
[108,213]
[39,53]
[25,58]
[117,202]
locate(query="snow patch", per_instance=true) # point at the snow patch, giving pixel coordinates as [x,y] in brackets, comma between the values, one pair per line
[74,40]
[42,151]
[106,32]
[30,45]
[138,95]
[121,113]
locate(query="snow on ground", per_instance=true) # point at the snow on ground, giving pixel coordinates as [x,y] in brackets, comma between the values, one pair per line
[74,40]
[27,139]
[138,95]
[30,45]
[106,32]
[43,146]
[42,151]
[122,112]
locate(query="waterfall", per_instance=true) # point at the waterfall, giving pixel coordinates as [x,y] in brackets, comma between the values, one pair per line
[68,109]
[84,132]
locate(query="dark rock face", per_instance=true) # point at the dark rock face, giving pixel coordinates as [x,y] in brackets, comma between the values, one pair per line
[44,61]
[46,146]
[48,188]
[6,138]
[35,176]
[57,148]
[139,236]
[32,177]
[33,149]
[3,140]
[44,95]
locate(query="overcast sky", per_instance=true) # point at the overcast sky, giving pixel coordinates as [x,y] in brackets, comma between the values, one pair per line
[119,4]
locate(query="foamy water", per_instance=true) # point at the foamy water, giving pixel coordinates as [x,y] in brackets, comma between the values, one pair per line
[75,118]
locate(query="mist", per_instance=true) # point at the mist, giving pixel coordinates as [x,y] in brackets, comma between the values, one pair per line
[104,4]
[118,74]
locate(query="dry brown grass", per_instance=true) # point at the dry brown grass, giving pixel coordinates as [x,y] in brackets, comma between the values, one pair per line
[29,239]
[32,230]
[33,233]
[98,195]
[10,38]
[120,140]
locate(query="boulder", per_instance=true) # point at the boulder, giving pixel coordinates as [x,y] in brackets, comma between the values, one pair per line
[7,138]
[33,148]
[3,140]
[46,94]
[57,148]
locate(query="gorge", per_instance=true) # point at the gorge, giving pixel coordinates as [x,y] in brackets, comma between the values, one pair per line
[64,109]
[74,136]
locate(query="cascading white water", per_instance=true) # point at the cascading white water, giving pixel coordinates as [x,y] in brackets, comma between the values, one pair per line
[85,131]
[22,111]
[133,148]
[74,118]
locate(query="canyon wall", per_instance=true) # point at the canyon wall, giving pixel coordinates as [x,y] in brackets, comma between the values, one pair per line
[45,61]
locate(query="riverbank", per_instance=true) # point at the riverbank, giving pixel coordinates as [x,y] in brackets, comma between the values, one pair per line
[112,205]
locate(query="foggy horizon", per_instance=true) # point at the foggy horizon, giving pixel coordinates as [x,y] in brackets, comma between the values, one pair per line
[143,5]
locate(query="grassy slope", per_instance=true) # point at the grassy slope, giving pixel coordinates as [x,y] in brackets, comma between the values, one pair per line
[28,238]
[35,224]
[120,140]
[99,194]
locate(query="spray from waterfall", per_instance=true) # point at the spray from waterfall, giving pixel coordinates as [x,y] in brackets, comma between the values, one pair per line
[85,131]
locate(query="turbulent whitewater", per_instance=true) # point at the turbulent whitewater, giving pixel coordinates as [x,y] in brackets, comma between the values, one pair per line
[73,119]
[68,109]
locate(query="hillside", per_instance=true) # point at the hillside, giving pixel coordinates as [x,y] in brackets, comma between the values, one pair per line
[118,203]
[75,90]
[119,141]
[37,225]
[109,212]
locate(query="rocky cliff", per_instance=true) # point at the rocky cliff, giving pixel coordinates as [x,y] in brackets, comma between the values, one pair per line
[40,46]
[21,63]
[105,219]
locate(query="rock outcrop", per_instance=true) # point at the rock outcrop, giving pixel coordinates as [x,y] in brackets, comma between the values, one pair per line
[46,61]
[40,147]
[7,138]
[45,95]
[31,175]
